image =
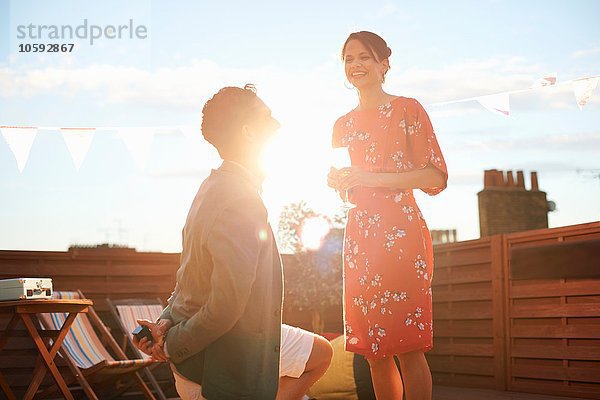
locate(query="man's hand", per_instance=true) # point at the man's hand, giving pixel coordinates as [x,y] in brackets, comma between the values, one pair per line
[154,348]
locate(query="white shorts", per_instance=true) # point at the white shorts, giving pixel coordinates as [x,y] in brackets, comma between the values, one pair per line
[296,346]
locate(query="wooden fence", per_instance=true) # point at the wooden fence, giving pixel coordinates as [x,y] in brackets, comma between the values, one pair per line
[493,328]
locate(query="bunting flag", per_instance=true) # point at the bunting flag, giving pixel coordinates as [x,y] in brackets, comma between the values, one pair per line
[583,89]
[138,141]
[496,103]
[78,141]
[548,80]
[19,139]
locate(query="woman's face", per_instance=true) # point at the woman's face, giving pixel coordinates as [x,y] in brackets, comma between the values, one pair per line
[362,69]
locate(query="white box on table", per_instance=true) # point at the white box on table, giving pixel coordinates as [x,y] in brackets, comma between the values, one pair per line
[25,288]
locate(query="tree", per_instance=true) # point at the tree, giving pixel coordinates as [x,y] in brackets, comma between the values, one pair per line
[314,280]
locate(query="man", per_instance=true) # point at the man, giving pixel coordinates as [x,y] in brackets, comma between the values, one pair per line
[221,329]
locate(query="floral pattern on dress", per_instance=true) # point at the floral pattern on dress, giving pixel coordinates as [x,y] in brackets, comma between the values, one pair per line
[421,267]
[392,236]
[355,136]
[371,155]
[366,222]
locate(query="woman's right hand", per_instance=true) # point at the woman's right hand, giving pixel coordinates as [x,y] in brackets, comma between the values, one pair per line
[333,178]
[333,181]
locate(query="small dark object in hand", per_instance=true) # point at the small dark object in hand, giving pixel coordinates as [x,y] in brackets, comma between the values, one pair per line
[142,331]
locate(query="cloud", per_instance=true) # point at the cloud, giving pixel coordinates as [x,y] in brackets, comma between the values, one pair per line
[483,77]
[581,142]
[586,52]
[177,88]
[467,79]
[180,89]
[185,87]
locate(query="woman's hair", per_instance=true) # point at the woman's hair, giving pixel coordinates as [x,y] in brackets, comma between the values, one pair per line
[373,42]
[225,113]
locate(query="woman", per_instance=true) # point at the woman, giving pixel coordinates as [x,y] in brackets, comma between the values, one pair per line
[388,257]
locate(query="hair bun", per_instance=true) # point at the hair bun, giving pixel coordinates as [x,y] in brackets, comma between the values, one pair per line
[372,41]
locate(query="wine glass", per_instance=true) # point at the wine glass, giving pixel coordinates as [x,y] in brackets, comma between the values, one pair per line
[340,158]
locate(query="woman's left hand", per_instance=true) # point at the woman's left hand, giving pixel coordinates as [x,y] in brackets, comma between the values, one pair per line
[354,176]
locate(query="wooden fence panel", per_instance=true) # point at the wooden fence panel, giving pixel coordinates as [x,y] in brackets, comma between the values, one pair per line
[468,347]
[553,325]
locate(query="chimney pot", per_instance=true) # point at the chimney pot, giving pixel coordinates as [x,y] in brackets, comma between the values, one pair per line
[534,182]
[520,180]
[510,179]
[487,179]
[498,180]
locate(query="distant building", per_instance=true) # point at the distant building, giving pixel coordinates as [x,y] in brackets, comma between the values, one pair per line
[505,205]
[439,236]
[103,248]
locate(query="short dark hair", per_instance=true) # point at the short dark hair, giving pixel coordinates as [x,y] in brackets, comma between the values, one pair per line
[225,113]
[373,42]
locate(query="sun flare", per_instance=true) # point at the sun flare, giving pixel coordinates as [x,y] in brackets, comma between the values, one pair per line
[313,232]
[296,163]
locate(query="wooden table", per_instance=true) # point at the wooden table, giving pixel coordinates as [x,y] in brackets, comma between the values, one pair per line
[22,310]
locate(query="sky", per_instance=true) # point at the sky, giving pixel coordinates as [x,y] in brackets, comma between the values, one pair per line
[441,51]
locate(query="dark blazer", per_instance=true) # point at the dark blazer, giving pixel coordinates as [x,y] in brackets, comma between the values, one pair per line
[226,306]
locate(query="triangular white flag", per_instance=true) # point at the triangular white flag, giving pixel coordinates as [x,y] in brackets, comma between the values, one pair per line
[138,141]
[496,103]
[78,141]
[20,140]
[547,80]
[583,89]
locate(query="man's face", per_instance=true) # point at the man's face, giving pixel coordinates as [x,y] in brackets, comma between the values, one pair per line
[261,125]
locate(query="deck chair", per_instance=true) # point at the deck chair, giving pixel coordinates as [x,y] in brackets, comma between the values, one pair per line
[86,355]
[126,312]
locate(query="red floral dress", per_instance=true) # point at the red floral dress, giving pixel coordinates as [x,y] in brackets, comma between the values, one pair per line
[388,256]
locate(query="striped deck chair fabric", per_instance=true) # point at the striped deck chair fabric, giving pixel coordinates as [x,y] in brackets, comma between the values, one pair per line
[127,312]
[130,313]
[83,345]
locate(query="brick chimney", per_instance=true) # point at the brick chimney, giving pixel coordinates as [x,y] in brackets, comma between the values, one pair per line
[506,206]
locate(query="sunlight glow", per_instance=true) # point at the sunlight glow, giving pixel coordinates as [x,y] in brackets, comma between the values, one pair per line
[296,163]
[313,232]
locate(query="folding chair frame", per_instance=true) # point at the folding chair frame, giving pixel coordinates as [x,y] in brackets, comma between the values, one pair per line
[84,376]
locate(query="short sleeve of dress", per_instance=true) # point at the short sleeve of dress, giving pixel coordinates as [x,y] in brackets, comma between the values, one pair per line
[338,133]
[424,148]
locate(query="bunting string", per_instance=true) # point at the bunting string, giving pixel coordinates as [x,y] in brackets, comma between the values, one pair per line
[138,140]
